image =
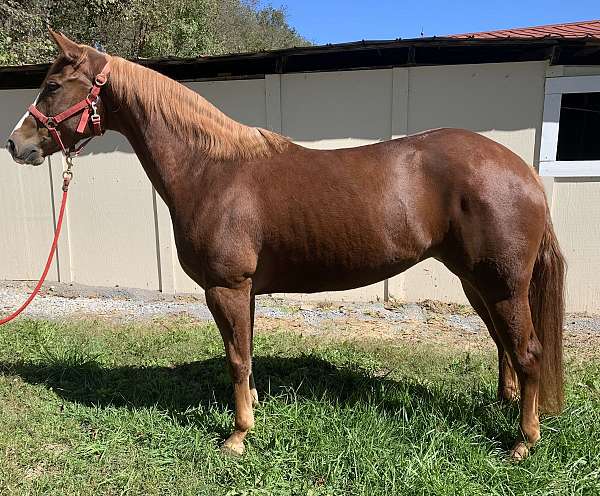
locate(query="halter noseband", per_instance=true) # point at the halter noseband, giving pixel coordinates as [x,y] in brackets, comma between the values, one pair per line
[90,113]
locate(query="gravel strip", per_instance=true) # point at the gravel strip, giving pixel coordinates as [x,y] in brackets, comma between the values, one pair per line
[58,301]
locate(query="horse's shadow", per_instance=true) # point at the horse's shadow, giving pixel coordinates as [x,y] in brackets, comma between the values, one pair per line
[179,388]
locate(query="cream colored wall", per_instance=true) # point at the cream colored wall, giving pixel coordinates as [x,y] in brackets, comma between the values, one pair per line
[118,231]
[111,233]
[337,109]
[576,219]
[576,216]
[26,214]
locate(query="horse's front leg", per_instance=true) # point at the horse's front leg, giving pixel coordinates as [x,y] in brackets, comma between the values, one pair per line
[231,309]
[253,390]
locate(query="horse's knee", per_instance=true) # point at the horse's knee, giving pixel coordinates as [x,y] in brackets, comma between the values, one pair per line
[239,370]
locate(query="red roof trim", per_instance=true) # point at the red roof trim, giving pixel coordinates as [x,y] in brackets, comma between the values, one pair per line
[583,29]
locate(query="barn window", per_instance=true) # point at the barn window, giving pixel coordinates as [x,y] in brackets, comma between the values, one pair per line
[579,127]
[570,144]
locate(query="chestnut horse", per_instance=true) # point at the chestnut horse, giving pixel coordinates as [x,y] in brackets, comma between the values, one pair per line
[254,213]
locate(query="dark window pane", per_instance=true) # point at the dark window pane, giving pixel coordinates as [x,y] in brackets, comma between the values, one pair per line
[579,130]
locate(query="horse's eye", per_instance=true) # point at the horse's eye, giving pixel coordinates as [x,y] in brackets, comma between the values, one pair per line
[52,86]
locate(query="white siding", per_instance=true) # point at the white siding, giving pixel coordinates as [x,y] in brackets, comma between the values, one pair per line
[112,238]
[26,211]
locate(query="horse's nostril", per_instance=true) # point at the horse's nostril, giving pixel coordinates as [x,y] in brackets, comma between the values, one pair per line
[10,145]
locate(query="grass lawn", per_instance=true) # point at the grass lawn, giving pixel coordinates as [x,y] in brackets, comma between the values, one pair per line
[95,408]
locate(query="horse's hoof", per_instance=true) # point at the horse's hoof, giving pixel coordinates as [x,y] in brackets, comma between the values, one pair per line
[519,452]
[232,449]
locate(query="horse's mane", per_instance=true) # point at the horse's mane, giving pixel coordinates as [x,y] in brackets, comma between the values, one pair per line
[189,115]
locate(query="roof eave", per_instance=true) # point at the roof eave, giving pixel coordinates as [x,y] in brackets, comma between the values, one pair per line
[370,54]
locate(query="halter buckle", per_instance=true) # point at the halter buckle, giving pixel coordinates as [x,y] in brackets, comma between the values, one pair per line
[92,100]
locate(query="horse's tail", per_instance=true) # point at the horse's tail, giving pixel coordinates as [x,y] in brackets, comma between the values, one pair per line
[546,299]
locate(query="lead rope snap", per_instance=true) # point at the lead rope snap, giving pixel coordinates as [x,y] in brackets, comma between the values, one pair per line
[67,174]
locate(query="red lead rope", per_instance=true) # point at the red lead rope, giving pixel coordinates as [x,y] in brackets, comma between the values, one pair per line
[50,256]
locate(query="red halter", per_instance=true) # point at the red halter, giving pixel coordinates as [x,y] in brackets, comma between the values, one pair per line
[90,113]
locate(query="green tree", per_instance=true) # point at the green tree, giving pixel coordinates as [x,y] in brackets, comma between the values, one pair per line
[143,28]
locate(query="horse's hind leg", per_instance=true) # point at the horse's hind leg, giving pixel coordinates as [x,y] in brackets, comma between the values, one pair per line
[514,327]
[508,387]
[231,310]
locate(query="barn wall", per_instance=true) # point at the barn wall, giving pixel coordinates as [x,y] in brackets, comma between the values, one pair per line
[110,229]
[118,231]
[26,211]
[576,216]
[577,219]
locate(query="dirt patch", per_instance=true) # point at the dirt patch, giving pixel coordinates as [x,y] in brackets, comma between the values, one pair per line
[435,323]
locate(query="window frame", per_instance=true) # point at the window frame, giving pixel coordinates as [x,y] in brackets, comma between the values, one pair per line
[555,88]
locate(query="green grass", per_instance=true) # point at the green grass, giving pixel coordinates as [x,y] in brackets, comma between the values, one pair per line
[89,408]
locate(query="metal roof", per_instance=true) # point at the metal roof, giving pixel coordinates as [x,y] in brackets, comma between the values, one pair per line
[351,56]
[571,30]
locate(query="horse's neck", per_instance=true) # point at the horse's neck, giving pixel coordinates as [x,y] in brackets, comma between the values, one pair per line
[170,163]
[179,136]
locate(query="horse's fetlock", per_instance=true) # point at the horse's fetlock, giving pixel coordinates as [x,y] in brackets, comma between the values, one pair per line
[244,421]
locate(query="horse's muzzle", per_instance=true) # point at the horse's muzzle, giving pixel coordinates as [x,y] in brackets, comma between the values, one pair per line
[27,153]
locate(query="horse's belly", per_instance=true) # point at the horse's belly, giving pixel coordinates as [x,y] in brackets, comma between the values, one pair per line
[342,256]
[317,275]
[326,282]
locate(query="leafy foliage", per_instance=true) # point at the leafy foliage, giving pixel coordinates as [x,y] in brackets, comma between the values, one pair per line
[143,28]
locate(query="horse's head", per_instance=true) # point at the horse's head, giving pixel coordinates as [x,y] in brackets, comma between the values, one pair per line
[68,82]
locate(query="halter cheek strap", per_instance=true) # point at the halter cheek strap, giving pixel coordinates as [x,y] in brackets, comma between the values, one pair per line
[89,113]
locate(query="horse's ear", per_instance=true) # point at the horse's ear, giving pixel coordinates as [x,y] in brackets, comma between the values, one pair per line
[65,45]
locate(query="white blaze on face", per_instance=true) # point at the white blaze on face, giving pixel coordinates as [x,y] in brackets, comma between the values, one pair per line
[20,123]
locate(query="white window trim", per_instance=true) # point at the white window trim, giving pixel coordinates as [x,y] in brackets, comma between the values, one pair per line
[555,87]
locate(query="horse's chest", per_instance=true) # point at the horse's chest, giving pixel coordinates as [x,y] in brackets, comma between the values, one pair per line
[214,252]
